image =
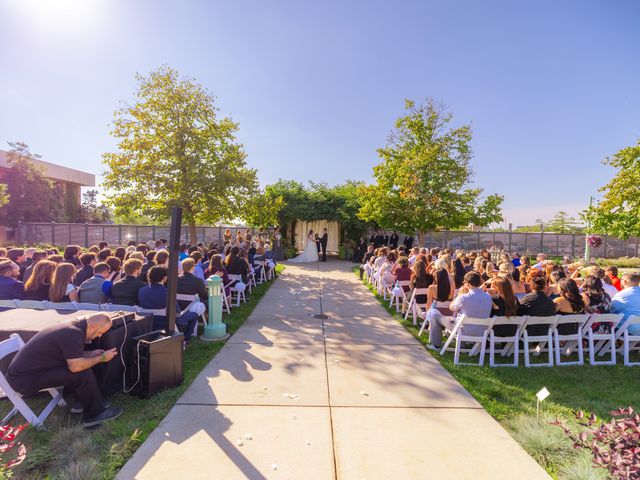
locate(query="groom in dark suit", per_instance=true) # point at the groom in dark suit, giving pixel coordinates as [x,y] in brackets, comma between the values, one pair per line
[323,244]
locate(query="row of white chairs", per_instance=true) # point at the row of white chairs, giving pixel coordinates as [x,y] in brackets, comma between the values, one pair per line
[471,336]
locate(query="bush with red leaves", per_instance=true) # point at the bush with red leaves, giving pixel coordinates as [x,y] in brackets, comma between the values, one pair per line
[9,447]
[615,445]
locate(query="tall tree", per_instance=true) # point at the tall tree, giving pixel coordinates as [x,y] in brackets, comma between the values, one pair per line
[173,150]
[562,222]
[32,196]
[424,180]
[618,213]
[90,211]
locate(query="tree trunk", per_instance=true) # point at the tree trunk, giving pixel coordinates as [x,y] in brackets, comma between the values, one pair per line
[192,233]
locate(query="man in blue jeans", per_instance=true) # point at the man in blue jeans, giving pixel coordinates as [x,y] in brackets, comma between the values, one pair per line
[154,297]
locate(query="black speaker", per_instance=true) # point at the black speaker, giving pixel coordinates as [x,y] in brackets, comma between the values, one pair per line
[156,363]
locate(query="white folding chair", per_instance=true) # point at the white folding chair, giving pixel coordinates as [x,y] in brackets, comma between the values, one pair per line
[512,341]
[8,304]
[630,342]
[475,331]
[33,304]
[181,297]
[59,305]
[413,306]
[572,340]
[612,319]
[87,306]
[541,342]
[398,299]
[239,295]
[7,347]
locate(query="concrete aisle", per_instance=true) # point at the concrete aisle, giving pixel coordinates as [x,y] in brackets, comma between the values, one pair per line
[352,397]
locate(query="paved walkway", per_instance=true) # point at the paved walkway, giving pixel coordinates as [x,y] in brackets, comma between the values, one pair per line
[352,397]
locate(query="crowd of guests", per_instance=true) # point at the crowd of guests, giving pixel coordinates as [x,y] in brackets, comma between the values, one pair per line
[135,274]
[480,285]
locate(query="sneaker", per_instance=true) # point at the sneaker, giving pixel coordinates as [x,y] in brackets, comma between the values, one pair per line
[110,413]
[431,346]
[77,407]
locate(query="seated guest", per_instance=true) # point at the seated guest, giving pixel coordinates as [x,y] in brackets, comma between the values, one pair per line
[37,256]
[471,301]
[596,299]
[62,287]
[87,260]
[37,288]
[154,297]
[216,267]
[91,290]
[104,254]
[151,257]
[505,304]
[365,260]
[120,253]
[198,271]
[125,291]
[458,271]
[17,256]
[402,271]
[570,302]
[162,258]
[236,265]
[56,357]
[612,273]
[441,290]
[541,258]
[537,304]
[189,284]
[605,281]
[10,287]
[627,300]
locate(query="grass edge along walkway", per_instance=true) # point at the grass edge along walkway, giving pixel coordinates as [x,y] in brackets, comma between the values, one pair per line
[66,450]
[508,395]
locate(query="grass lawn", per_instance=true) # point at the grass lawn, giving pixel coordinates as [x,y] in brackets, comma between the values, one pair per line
[67,451]
[508,394]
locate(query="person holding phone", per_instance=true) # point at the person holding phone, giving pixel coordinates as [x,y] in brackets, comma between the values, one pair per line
[55,357]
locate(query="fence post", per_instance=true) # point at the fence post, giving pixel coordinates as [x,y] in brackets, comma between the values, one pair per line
[69,242]
[542,241]
[509,250]
[86,234]
[137,241]
[636,246]
[446,243]
[526,238]
[478,240]
[153,231]
[119,234]
[53,233]
[573,245]
[605,246]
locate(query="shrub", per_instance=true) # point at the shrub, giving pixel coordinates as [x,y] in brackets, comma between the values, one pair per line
[580,467]
[622,262]
[546,444]
[614,445]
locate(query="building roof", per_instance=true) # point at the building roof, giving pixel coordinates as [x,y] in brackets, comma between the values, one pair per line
[57,172]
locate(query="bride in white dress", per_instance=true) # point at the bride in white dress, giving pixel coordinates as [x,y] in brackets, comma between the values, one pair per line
[310,253]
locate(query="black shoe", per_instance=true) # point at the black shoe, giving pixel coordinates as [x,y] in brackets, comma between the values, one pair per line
[110,413]
[77,407]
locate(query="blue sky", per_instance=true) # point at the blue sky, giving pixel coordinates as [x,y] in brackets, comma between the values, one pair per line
[550,88]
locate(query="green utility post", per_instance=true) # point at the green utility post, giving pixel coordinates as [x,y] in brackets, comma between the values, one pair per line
[215,329]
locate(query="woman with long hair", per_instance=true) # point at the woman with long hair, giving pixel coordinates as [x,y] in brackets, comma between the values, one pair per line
[37,287]
[596,299]
[570,302]
[62,287]
[505,304]
[441,290]
[458,272]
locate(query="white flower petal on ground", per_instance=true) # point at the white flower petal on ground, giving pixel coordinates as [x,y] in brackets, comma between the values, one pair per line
[248,437]
[274,466]
[364,393]
[239,442]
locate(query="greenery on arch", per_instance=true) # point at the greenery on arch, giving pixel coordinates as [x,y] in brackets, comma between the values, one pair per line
[319,201]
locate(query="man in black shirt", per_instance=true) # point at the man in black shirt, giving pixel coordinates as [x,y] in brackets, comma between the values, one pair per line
[537,304]
[393,240]
[88,260]
[55,357]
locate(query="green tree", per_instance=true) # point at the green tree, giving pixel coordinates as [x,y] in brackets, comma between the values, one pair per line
[562,222]
[424,180]
[262,210]
[92,212]
[4,195]
[173,150]
[618,213]
[32,197]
